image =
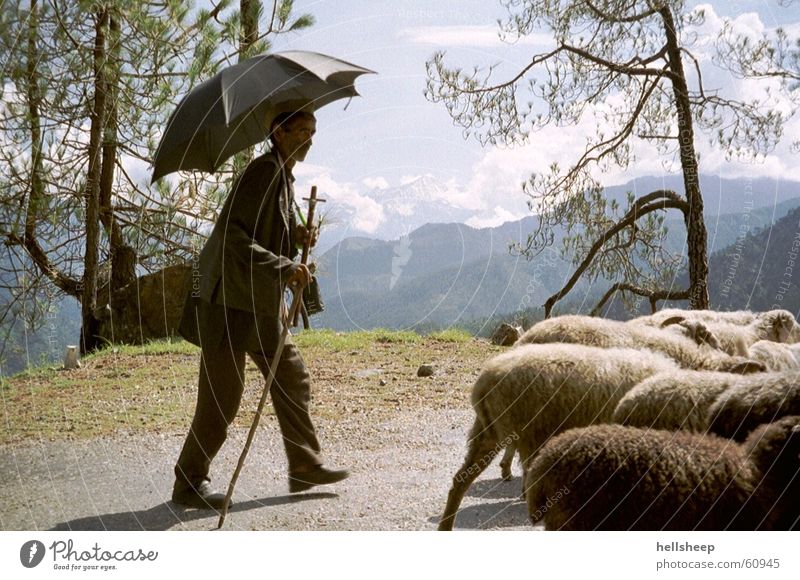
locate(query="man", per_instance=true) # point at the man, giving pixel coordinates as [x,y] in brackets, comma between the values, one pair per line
[237,308]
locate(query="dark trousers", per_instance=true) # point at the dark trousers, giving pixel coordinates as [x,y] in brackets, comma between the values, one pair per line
[220,392]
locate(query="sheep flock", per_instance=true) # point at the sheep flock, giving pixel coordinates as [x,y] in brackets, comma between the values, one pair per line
[681,420]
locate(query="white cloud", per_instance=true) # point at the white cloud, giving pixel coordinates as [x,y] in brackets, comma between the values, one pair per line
[476,36]
[375,182]
[498,217]
[366,214]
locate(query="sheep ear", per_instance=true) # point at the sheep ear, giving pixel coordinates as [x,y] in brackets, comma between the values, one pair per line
[782,325]
[748,367]
[673,320]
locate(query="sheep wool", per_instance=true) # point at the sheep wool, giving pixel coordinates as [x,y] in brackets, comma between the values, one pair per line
[611,477]
[674,400]
[605,333]
[749,403]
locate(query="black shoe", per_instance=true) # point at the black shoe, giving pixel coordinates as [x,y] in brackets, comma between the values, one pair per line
[199,496]
[301,481]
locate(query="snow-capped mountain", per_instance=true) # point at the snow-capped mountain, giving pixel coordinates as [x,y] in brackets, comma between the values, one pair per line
[391,213]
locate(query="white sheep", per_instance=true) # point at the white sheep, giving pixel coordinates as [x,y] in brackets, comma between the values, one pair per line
[532,392]
[674,400]
[687,399]
[611,477]
[736,339]
[776,356]
[657,319]
[606,333]
[749,403]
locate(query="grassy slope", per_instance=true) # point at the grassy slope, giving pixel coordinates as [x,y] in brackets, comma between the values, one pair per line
[152,388]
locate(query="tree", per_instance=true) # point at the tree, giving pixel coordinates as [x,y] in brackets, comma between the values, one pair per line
[624,61]
[88,87]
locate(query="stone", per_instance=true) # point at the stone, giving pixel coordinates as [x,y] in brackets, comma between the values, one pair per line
[425,371]
[506,334]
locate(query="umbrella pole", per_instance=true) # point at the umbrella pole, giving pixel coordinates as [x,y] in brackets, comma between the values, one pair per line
[273,367]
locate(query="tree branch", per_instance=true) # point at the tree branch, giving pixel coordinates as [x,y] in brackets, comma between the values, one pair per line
[657,200]
[653,295]
[619,19]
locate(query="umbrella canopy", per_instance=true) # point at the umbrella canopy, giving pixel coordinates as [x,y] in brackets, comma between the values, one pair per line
[232,110]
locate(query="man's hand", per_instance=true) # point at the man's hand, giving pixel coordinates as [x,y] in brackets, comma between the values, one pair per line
[304,236]
[299,277]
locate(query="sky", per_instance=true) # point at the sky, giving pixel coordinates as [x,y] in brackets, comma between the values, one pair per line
[392,134]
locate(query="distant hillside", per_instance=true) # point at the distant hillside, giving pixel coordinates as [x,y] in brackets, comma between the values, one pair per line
[760,270]
[451,274]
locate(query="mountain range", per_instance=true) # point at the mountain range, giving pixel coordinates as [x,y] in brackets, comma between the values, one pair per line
[449,274]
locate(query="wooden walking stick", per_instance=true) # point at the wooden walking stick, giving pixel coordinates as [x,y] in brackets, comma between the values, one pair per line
[273,367]
[312,206]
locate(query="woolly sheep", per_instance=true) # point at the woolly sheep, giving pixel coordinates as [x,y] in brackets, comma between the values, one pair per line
[611,477]
[776,356]
[685,399]
[599,332]
[747,404]
[658,318]
[532,392]
[735,339]
[674,400]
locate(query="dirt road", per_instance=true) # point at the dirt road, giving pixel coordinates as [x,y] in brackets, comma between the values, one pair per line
[401,471]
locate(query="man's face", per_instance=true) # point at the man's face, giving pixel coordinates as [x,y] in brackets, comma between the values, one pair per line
[294,139]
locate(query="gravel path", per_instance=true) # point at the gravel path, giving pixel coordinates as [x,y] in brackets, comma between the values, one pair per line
[400,473]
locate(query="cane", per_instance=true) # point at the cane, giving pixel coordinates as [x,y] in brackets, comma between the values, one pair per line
[273,367]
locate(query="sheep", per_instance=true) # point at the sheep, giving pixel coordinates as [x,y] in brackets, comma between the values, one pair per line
[612,477]
[533,392]
[657,319]
[775,356]
[685,400]
[674,400]
[591,331]
[735,339]
[747,404]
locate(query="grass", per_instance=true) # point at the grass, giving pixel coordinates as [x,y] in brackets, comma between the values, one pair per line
[152,387]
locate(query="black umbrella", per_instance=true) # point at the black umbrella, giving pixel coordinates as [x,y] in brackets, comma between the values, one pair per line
[232,110]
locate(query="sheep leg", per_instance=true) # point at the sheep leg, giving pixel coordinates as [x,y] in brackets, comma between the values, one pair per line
[481,450]
[507,460]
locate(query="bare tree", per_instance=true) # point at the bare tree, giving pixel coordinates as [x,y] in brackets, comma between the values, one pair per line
[631,64]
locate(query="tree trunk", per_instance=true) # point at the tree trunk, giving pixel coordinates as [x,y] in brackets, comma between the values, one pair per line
[696,238]
[123,257]
[248,14]
[248,34]
[89,341]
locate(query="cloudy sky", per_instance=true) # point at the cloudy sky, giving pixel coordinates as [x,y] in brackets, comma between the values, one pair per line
[393,134]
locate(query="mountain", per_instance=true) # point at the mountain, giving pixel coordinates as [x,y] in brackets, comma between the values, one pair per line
[451,274]
[395,212]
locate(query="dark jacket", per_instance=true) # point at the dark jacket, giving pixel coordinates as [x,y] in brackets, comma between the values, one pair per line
[243,266]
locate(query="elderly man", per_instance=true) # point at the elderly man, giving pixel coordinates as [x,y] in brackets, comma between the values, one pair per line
[236,308]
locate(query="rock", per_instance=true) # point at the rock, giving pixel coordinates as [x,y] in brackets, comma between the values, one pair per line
[425,371]
[506,335]
[382,383]
[71,358]
[148,308]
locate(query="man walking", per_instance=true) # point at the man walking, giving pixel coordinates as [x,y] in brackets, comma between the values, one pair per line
[236,309]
